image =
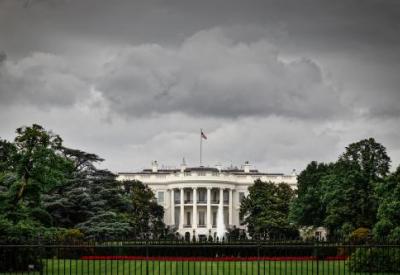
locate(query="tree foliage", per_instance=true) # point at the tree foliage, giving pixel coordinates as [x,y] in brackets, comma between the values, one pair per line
[266,210]
[388,225]
[342,196]
[349,199]
[370,157]
[147,214]
[308,209]
[46,187]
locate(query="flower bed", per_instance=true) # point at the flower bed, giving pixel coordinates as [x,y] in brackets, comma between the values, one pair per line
[336,258]
[205,259]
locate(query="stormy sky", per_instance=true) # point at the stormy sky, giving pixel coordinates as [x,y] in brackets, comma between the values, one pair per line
[278,83]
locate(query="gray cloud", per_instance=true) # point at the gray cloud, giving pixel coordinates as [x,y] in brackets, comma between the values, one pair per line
[210,74]
[275,82]
[3,57]
[41,80]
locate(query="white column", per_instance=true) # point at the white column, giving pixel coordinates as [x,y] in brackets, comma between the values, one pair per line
[208,221]
[172,194]
[182,214]
[230,206]
[194,223]
[221,203]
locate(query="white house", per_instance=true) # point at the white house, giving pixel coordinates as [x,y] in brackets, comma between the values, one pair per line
[191,195]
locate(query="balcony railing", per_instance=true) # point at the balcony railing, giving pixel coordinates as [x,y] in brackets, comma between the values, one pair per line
[187,225]
[189,201]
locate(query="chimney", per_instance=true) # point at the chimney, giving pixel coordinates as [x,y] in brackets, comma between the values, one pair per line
[246,167]
[219,167]
[154,166]
[183,165]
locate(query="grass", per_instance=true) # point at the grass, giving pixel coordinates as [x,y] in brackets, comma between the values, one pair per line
[71,266]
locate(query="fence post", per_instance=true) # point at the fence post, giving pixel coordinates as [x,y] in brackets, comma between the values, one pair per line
[147,256]
[258,259]
[317,256]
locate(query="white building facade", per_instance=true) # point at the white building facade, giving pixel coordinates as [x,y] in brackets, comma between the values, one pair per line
[191,195]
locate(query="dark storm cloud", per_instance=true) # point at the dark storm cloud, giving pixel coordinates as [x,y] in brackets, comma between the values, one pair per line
[211,75]
[317,24]
[43,80]
[367,31]
[281,81]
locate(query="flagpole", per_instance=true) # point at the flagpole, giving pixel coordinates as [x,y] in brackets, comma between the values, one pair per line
[201,146]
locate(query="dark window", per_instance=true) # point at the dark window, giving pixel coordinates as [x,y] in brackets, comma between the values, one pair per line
[188,218]
[202,220]
[214,218]
[202,196]
[241,196]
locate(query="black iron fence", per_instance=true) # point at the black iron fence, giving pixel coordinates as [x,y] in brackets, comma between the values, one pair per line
[158,257]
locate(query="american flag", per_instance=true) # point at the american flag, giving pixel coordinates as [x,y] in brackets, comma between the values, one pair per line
[203,135]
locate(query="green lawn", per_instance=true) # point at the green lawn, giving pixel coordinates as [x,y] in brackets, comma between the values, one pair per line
[176,268]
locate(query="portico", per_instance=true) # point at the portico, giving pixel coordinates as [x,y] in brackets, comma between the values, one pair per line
[197,206]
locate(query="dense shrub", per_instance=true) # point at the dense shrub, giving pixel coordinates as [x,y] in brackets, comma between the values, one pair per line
[377,259]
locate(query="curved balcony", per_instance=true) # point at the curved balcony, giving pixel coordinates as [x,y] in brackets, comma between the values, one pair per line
[200,202]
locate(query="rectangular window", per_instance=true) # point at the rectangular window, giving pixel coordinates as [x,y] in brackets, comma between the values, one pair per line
[226,196]
[177,196]
[188,197]
[214,219]
[202,196]
[202,218]
[215,196]
[241,196]
[188,219]
[160,197]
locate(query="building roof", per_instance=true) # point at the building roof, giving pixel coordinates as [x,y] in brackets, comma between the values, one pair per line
[232,170]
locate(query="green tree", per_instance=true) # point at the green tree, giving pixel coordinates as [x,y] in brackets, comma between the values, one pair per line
[38,165]
[31,166]
[370,157]
[388,224]
[147,215]
[265,210]
[349,189]
[349,200]
[308,209]
[92,200]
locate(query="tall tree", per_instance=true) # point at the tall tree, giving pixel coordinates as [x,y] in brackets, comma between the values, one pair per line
[349,190]
[370,157]
[265,210]
[388,224]
[92,200]
[32,166]
[308,209]
[147,214]
[39,166]
[349,199]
